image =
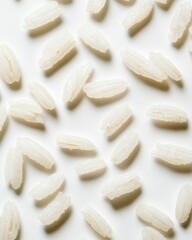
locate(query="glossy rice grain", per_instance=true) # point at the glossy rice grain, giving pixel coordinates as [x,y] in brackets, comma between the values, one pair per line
[26,111]
[35,152]
[13,169]
[184,203]
[97,222]
[47,187]
[180,21]
[121,186]
[139,14]
[93,38]
[125,148]
[76,81]
[105,89]
[168,114]
[9,222]
[43,15]
[155,218]
[55,209]
[141,66]
[56,49]
[116,119]
[175,156]
[41,94]
[9,66]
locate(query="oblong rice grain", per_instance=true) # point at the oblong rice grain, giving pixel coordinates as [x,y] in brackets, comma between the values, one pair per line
[76,81]
[184,203]
[97,222]
[180,21]
[125,148]
[116,119]
[9,66]
[54,210]
[43,15]
[92,37]
[26,111]
[9,222]
[35,152]
[41,94]
[139,14]
[3,117]
[149,233]
[56,49]
[95,7]
[168,114]
[152,216]
[13,169]
[166,66]
[75,143]
[142,66]
[121,186]
[47,187]
[90,168]
[105,89]
[175,156]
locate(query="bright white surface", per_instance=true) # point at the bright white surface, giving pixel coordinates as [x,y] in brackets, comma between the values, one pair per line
[160,185]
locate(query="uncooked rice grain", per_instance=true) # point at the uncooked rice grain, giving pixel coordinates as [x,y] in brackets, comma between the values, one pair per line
[47,187]
[43,15]
[35,152]
[155,218]
[55,209]
[9,66]
[97,222]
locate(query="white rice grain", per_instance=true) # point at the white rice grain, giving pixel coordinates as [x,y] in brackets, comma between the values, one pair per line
[149,233]
[76,81]
[9,66]
[43,15]
[35,152]
[95,7]
[116,119]
[184,203]
[180,21]
[166,66]
[41,94]
[168,114]
[142,66]
[47,187]
[139,14]
[125,148]
[97,222]
[152,216]
[26,111]
[56,209]
[3,117]
[92,37]
[9,222]
[58,47]
[75,143]
[14,168]
[175,156]
[121,186]
[105,89]
[90,168]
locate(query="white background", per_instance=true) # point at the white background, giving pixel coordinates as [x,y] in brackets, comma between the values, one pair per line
[160,185]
